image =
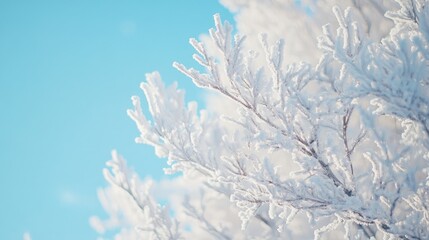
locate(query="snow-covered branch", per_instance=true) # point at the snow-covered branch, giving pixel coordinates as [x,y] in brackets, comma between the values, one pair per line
[342,145]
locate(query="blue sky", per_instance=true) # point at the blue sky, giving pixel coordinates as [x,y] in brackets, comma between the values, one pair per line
[67,72]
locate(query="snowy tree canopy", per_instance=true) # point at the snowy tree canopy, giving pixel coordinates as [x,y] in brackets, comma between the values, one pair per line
[313,131]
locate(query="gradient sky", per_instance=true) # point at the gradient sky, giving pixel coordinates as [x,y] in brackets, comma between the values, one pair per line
[67,72]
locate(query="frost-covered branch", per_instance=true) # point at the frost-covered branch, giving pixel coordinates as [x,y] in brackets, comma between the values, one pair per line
[152,219]
[342,144]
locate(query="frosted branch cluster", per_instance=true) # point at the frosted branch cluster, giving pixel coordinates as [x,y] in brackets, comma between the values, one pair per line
[340,146]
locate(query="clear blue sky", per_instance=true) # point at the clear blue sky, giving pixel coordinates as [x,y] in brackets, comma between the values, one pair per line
[67,72]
